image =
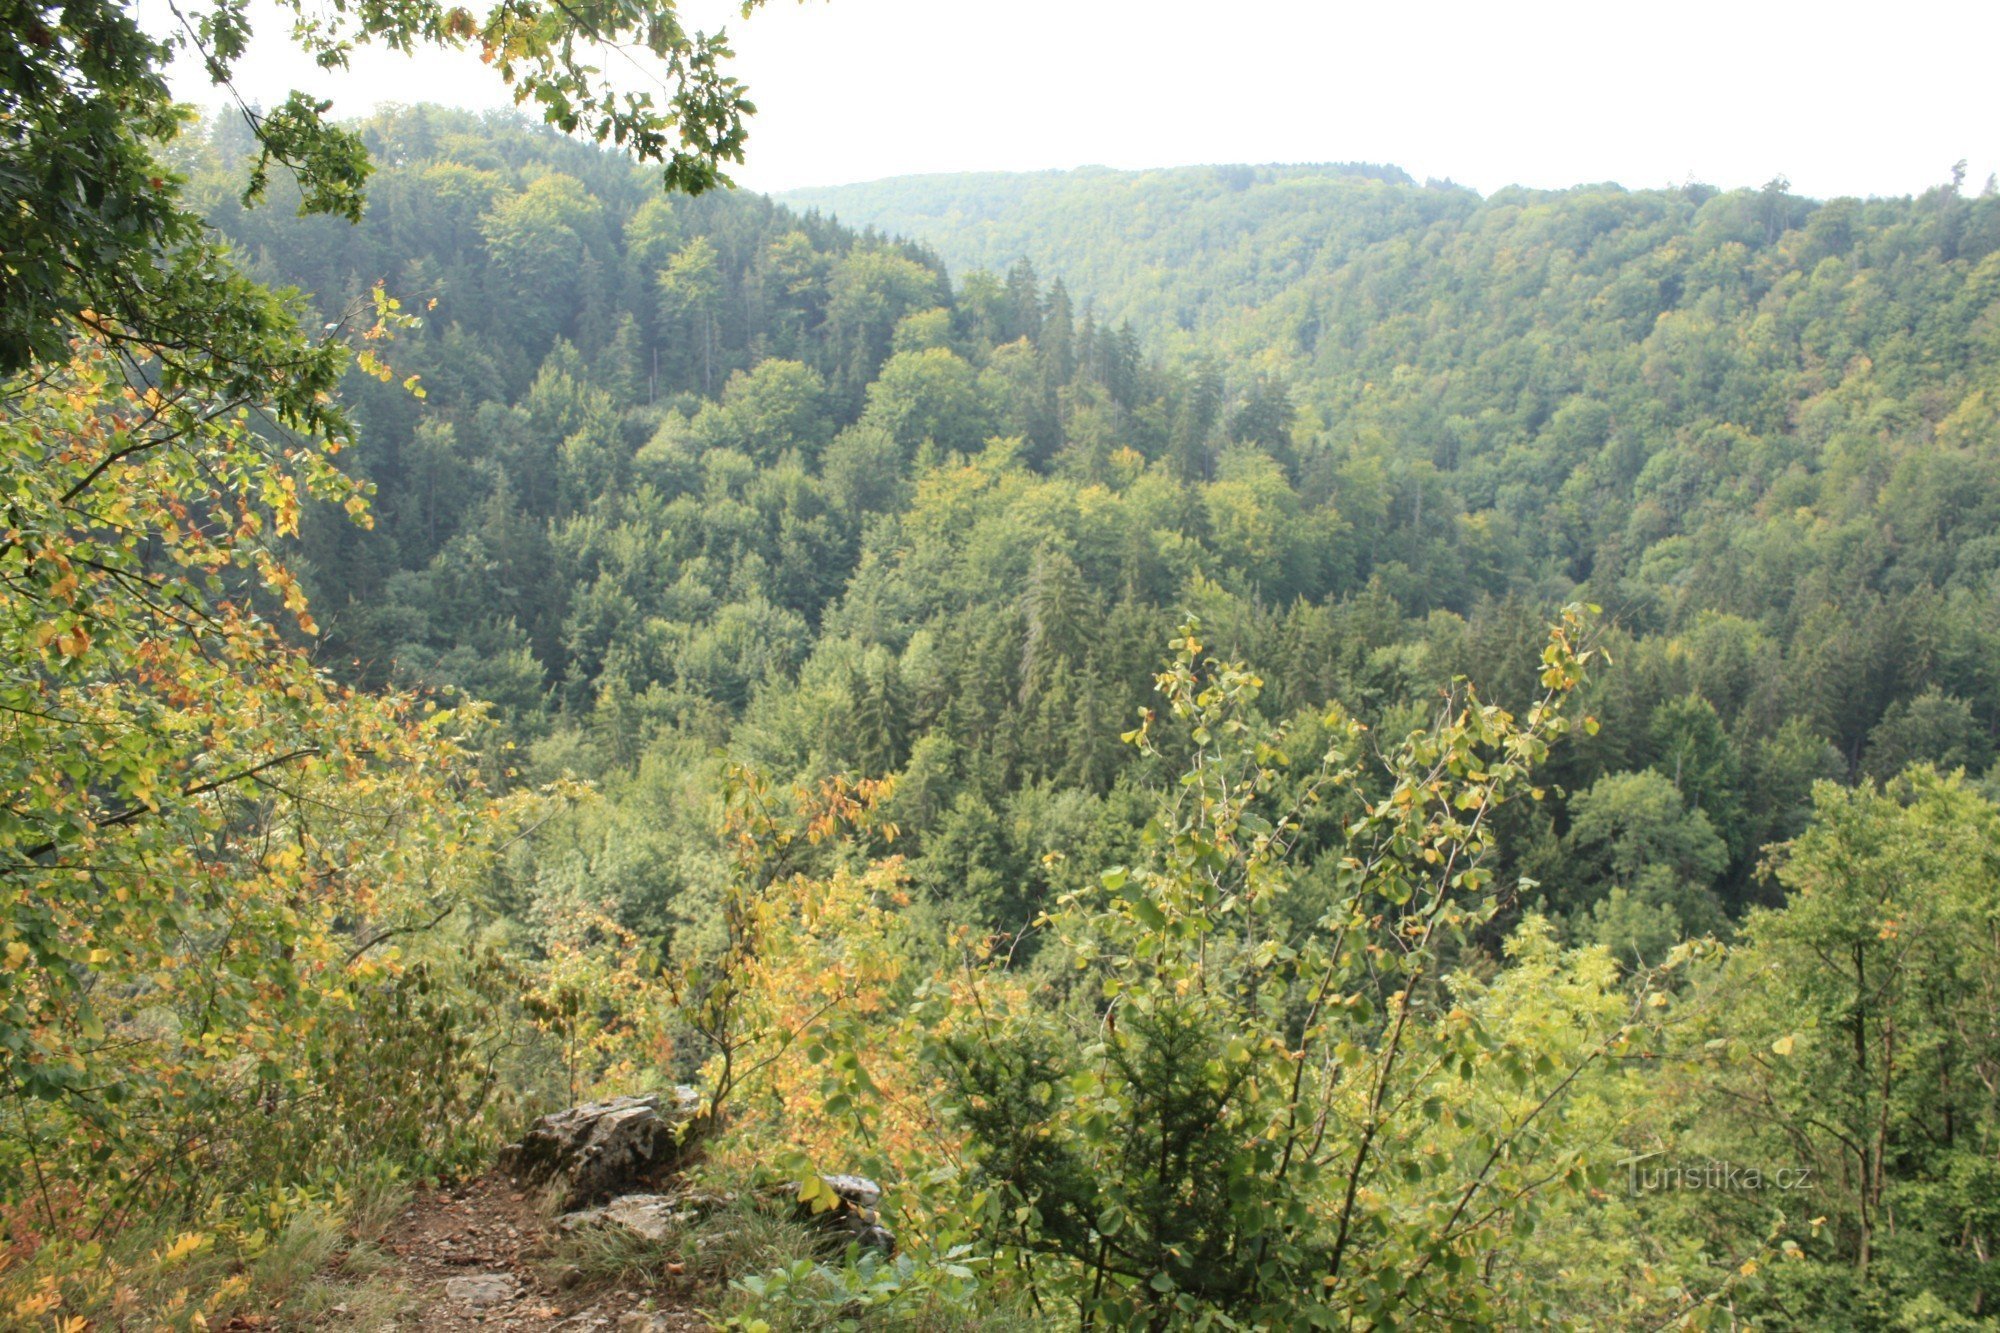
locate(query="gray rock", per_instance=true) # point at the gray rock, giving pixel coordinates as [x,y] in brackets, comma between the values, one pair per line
[647,1216]
[603,1149]
[853,1218]
[859,1191]
[650,1217]
[482,1289]
[582,1323]
[638,1321]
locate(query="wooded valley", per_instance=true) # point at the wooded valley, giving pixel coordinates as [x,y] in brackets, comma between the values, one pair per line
[1256,746]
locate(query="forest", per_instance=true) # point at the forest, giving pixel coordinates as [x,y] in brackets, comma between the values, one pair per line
[1263,747]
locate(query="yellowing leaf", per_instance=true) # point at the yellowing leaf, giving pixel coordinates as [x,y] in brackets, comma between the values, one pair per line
[286,506]
[184,1245]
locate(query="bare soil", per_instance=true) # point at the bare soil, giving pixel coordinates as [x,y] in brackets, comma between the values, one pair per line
[474,1257]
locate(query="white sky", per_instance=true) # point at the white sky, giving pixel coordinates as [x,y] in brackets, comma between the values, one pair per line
[1842,99]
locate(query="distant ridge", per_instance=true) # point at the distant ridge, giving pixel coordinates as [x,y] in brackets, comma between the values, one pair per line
[1238,234]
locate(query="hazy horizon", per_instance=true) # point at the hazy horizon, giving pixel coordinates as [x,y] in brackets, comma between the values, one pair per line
[1543,96]
[1082,168]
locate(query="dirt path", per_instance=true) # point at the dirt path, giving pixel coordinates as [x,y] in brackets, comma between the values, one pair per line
[474,1257]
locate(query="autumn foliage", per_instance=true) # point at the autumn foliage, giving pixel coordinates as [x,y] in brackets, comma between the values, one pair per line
[219,870]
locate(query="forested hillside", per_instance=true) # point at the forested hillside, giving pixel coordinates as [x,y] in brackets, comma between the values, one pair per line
[1250,765]
[698,474]
[1176,250]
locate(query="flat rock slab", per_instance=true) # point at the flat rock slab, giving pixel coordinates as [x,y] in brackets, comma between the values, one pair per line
[647,1216]
[640,1321]
[650,1217]
[481,1290]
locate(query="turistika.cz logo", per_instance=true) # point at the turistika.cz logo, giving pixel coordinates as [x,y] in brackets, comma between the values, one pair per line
[1656,1173]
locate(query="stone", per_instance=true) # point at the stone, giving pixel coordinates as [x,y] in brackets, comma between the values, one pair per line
[647,1216]
[853,1218]
[639,1321]
[583,1323]
[859,1191]
[480,1290]
[651,1217]
[600,1150]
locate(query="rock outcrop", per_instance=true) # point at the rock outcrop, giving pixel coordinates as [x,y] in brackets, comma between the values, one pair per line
[602,1150]
[611,1159]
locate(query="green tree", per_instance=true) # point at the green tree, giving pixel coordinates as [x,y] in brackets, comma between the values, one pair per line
[1163,1141]
[871,290]
[778,406]
[1694,752]
[1933,728]
[1635,831]
[1058,614]
[204,837]
[104,235]
[930,395]
[1856,1039]
[690,288]
[536,240]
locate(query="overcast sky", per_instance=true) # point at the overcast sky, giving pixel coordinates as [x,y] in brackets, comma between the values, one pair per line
[1863,99]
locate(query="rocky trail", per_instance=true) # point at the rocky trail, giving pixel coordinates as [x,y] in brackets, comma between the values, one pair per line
[496,1252]
[476,1257]
[584,1226]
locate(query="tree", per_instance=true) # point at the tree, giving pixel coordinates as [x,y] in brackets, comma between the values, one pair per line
[1210,1121]
[1696,755]
[778,406]
[690,287]
[1854,1036]
[103,234]
[875,688]
[864,468]
[872,289]
[1195,420]
[1264,418]
[1057,613]
[930,395]
[1933,728]
[1258,531]
[1634,831]
[1022,304]
[204,838]
[536,240]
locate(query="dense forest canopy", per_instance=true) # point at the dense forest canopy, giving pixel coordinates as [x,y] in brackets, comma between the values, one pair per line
[775,647]
[709,472]
[1175,250]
